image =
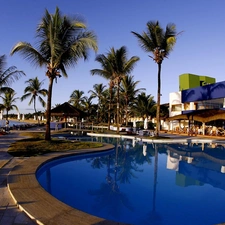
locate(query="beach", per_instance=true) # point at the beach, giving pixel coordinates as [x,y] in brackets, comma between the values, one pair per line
[15,124]
[18,122]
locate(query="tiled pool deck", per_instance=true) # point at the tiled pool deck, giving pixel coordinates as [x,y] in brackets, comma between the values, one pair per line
[31,198]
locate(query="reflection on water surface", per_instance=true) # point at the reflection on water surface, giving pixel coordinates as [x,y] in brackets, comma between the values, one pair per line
[142,183]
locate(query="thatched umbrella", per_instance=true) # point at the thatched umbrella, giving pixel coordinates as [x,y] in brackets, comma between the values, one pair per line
[66,110]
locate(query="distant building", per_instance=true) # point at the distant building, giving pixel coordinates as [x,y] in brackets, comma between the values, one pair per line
[188,80]
[195,93]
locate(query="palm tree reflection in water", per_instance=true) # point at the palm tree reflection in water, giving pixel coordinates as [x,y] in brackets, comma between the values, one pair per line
[111,198]
[121,170]
[110,192]
[123,184]
[154,216]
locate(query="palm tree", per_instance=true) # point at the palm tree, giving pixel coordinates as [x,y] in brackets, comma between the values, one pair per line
[77,98]
[9,75]
[106,72]
[62,42]
[144,106]
[89,108]
[8,102]
[34,90]
[115,66]
[98,92]
[160,43]
[164,111]
[129,91]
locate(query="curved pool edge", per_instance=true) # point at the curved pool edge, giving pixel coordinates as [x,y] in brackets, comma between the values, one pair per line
[41,206]
[173,139]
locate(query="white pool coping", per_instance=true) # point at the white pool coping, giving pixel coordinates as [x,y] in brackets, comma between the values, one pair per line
[173,138]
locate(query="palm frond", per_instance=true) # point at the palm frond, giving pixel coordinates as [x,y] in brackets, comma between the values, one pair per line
[29,53]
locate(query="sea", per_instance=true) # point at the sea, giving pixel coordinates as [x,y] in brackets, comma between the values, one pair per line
[11,123]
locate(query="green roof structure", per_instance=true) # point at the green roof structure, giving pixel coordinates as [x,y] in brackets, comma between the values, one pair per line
[188,80]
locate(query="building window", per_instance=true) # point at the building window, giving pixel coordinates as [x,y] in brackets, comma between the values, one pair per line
[210,104]
[177,107]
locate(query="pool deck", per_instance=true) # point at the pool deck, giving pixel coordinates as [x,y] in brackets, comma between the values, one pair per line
[10,214]
[24,201]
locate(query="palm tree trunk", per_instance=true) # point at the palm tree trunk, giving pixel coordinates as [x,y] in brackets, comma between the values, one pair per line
[35,110]
[155,178]
[110,102]
[7,116]
[109,115]
[126,113]
[98,114]
[158,101]
[118,110]
[48,111]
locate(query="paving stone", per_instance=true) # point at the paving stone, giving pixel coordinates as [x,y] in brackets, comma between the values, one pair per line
[9,212]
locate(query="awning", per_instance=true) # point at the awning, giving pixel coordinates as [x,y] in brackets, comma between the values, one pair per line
[203,116]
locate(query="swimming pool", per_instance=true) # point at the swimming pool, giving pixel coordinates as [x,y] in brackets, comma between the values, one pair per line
[142,183]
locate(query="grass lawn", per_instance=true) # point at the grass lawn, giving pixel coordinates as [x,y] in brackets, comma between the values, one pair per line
[35,144]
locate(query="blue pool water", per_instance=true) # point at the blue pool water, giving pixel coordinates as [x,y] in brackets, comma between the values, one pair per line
[143,183]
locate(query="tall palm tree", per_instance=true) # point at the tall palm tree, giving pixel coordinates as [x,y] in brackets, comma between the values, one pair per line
[115,66]
[77,98]
[62,41]
[106,71]
[34,91]
[8,102]
[98,93]
[129,91]
[9,75]
[160,43]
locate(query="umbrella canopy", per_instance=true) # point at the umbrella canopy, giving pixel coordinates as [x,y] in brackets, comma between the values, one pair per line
[1,115]
[144,149]
[133,142]
[146,124]
[134,123]
[66,110]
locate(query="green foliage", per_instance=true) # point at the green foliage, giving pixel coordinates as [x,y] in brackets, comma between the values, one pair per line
[62,42]
[8,76]
[34,91]
[159,43]
[8,101]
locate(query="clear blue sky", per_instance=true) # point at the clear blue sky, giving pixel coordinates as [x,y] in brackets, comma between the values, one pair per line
[199,49]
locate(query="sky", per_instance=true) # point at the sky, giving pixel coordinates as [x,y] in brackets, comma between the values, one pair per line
[199,49]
